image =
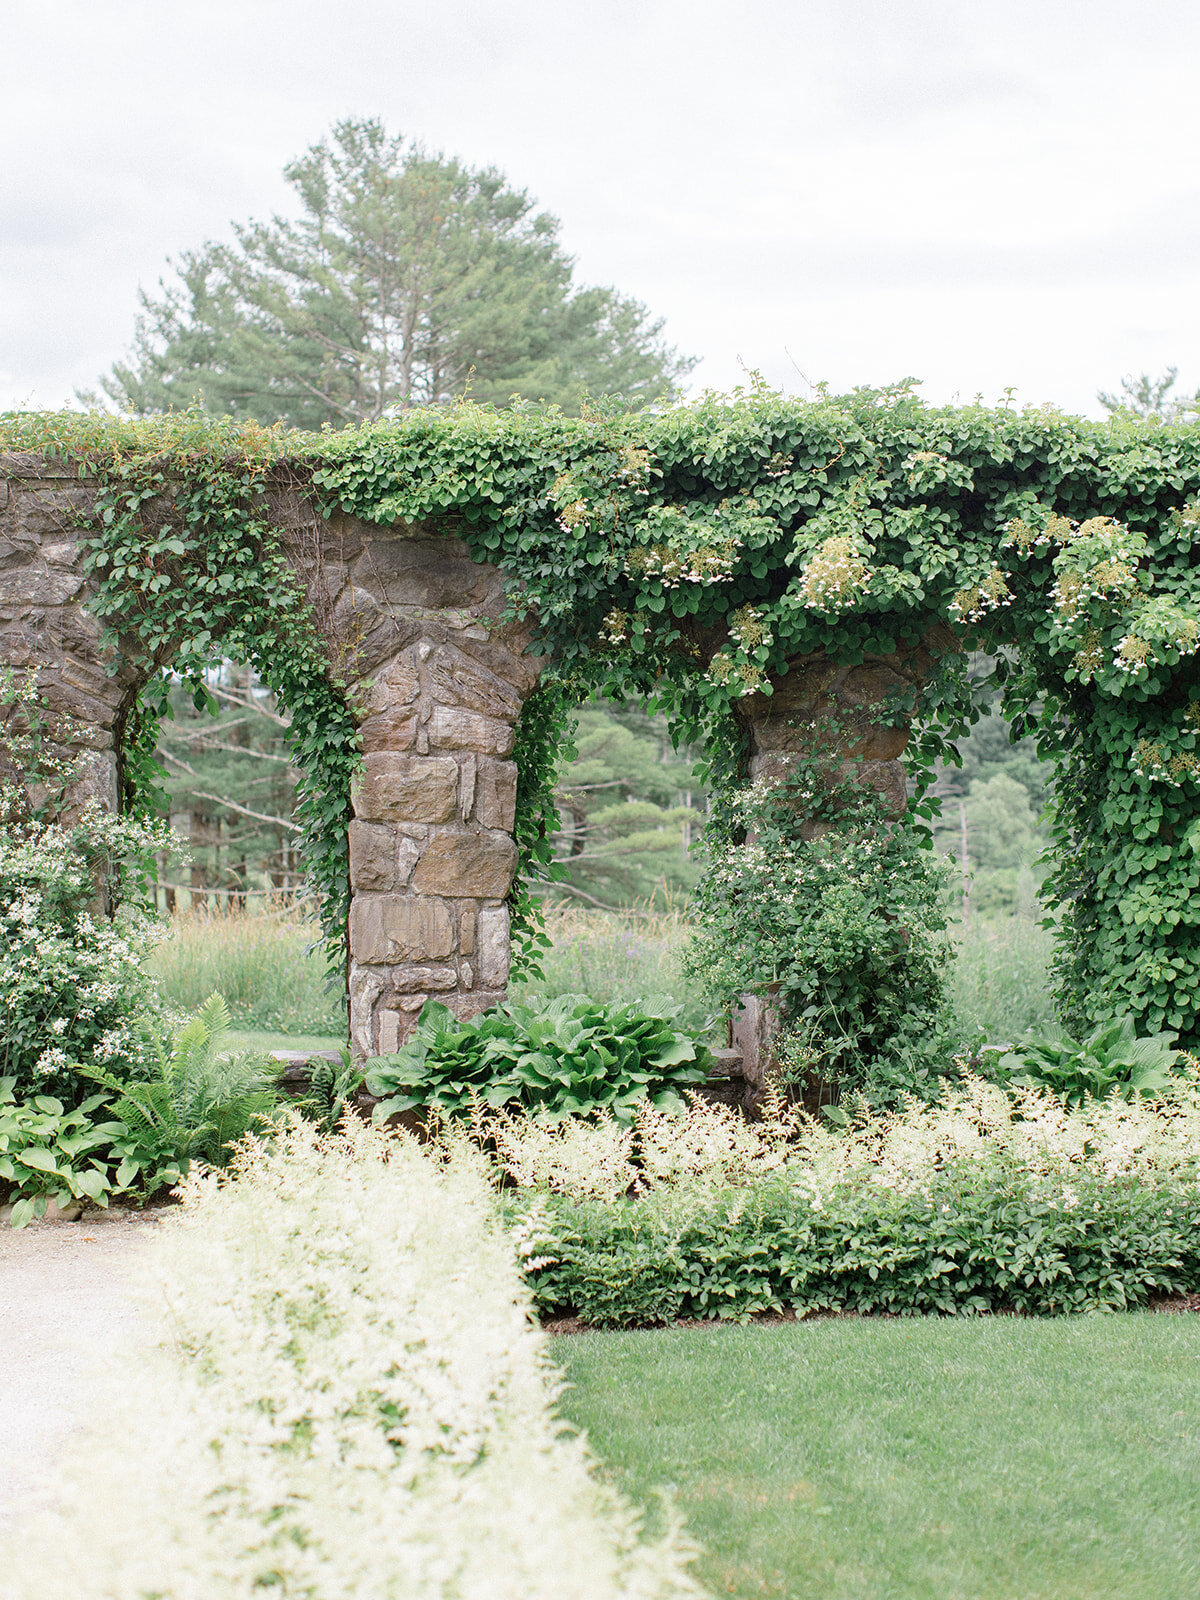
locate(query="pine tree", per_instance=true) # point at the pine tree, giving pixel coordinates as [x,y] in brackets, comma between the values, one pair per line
[407,278]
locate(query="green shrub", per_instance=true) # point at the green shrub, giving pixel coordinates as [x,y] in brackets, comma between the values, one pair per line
[331,1092]
[843,928]
[48,1152]
[561,1057]
[1111,1060]
[987,1200]
[970,1243]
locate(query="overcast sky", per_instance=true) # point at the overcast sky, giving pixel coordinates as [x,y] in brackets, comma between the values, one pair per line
[979,194]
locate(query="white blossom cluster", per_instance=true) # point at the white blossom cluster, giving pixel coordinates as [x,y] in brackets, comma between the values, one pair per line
[1162,765]
[976,600]
[1161,625]
[346,1401]
[836,576]
[739,677]
[1099,562]
[702,564]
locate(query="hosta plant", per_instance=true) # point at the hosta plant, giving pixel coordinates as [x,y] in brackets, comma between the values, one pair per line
[567,1056]
[1111,1060]
[48,1152]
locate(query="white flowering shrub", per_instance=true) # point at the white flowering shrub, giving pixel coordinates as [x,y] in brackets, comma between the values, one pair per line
[981,1201]
[73,938]
[346,1401]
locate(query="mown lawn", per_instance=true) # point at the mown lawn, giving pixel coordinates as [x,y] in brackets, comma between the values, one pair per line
[997,1459]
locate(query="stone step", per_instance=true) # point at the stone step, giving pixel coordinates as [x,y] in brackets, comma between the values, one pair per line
[726,1063]
[296,1067]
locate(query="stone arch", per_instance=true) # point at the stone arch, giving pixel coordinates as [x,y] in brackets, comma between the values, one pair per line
[435,678]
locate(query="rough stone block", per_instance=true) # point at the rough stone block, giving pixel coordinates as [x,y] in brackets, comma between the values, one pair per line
[372,856]
[396,787]
[393,1026]
[421,978]
[496,793]
[412,570]
[755,1023]
[39,586]
[466,933]
[396,683]
[394,729]
[879,744]
[473,1001]
[453,728]
[887,778]
[456,679]
[365,989]
[479,865]
[493,946]
[408,853]
[467,767]
[386,929]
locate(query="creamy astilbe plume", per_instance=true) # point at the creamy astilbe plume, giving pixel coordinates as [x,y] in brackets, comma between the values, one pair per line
[345,1401]
[1031,1130]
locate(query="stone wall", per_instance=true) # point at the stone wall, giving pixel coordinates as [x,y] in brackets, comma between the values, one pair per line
[43,620]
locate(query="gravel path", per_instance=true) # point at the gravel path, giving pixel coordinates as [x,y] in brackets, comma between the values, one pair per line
[65,1306]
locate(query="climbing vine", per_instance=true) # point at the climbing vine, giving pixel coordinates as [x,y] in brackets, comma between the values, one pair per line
[694,553]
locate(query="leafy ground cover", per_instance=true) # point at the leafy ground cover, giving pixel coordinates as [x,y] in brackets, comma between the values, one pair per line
[912,1459]
[571,1055]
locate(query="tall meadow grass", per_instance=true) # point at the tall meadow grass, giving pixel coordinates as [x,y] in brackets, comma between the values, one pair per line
[268,964]
[999,978]
[615,959]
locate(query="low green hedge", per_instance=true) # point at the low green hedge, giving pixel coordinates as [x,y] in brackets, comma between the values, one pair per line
[967,1243]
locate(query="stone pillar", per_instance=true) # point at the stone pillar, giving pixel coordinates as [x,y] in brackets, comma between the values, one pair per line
[842,712]
[432,855]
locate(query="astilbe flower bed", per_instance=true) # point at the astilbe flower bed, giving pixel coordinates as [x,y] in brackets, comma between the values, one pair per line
[342,1398]
[985,1201]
